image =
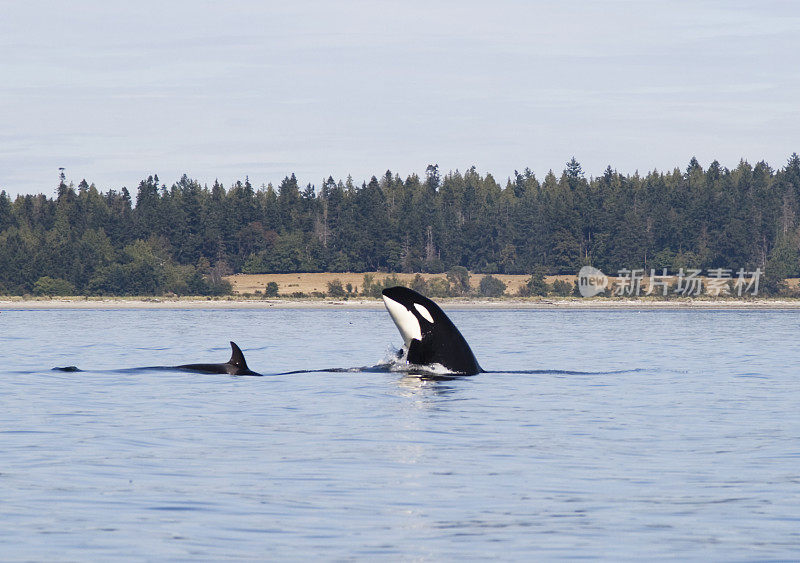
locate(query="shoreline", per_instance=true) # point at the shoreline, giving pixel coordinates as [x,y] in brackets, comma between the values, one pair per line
[577,303]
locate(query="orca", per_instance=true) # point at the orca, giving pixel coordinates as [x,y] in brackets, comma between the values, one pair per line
[235,366]
[429,335]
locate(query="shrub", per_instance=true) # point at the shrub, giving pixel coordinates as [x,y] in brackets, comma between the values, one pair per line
[271,290]
[336,289]
[459,280]
[221,287]
[373,288]
[438,287]
[53,286]
[419,285]
[366,286]
[562,288]
[490,286]
[535,285]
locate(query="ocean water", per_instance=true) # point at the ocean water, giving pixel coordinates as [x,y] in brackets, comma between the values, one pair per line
[638,435]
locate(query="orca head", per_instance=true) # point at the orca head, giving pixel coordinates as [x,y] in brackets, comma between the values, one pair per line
[410,311]
[430,337]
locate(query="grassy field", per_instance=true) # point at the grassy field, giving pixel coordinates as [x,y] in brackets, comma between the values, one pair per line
[310,283]
[296,289]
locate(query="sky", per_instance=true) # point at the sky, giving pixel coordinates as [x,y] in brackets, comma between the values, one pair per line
[116,91]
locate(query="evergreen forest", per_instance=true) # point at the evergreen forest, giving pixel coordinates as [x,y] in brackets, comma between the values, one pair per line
[184,238]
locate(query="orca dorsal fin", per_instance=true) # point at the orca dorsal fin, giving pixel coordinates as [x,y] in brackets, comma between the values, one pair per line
[237,358]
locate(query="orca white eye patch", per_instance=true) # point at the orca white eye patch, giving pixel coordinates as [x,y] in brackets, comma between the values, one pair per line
[424,312]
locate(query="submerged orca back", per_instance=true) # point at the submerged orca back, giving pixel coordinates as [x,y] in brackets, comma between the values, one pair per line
[235,366]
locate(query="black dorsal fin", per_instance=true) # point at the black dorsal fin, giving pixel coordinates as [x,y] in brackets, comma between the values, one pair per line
[237,358]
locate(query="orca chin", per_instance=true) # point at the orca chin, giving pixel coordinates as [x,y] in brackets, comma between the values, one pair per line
[235,366]
[430,337]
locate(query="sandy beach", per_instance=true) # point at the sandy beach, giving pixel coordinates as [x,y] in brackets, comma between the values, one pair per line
[19,303]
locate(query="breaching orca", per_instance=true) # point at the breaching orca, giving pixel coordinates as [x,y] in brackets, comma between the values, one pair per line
[235,366]
[429,335]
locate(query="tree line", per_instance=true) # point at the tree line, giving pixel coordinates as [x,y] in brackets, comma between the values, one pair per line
[184,238]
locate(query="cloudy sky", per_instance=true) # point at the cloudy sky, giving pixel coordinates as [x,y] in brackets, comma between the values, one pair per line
[115,91]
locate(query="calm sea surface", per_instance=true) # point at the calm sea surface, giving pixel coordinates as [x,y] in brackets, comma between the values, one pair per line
[677,436]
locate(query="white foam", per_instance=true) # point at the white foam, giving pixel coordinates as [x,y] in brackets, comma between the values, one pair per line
[399,364]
